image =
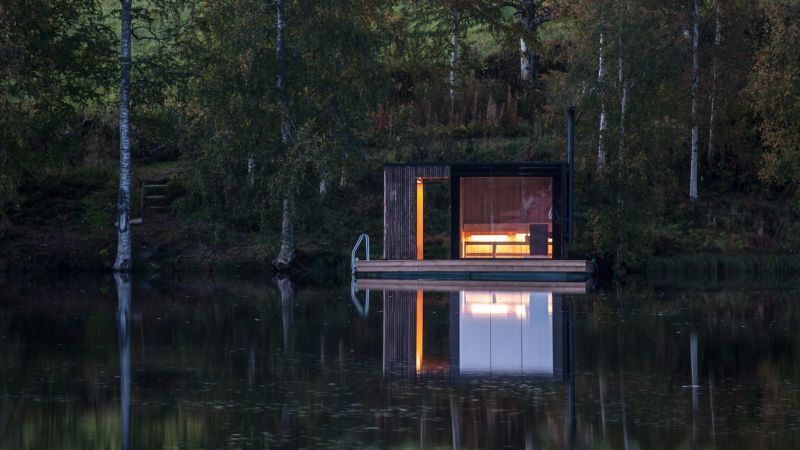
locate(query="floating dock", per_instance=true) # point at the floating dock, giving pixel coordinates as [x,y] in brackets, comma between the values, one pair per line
[556,287]
[518,270]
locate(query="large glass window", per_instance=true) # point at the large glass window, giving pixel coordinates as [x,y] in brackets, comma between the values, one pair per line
[506,217]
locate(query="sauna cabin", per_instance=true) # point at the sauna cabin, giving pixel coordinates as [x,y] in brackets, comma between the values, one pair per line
[497,210]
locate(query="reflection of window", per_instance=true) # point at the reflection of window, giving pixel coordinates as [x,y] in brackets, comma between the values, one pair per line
[506,332]
[506,217]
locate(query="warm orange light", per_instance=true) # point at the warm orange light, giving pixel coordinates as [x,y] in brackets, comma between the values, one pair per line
[496,304]
[506,245]
[420,218]
[513,237]
[419,332]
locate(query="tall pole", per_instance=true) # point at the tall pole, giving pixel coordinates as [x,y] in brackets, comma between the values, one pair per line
[570,168]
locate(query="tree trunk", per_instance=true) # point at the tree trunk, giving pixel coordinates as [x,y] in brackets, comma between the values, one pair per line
[529,60]
[714,74]
[251,170]
[454,62]
[123,262]
[623,97]
[623,110]
[286,255]
[695,89]
[601,79]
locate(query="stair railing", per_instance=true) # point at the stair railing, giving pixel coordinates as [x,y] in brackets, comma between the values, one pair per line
[353,260]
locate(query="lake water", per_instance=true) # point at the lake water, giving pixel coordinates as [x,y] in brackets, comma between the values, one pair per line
[99,363]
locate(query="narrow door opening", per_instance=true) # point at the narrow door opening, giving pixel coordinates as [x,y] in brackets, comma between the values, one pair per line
[433,219]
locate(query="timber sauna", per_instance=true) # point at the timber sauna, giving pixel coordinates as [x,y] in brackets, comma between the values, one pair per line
[508,221]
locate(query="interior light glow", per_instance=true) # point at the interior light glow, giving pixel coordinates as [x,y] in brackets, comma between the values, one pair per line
[515,237]
[420,219]
[487,309]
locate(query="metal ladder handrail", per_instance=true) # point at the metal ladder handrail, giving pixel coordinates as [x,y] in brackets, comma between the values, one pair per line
[363,311]
[353,259]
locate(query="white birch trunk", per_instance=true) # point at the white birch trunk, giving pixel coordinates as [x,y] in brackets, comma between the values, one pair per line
[251,170]
[525,69]
[454,51]
[714,74]
[695,88]
[531,17]
[123,263]
[342,173]
[286,255]
[528,61]
[601,79]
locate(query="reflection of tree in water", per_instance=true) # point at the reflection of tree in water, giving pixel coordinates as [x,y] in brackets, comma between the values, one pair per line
[288,293]
[215,367]
[123,329]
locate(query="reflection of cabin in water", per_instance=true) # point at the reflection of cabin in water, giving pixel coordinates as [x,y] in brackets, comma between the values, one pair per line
[491,333]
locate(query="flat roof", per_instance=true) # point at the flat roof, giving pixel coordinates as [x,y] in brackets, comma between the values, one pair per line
[483,164]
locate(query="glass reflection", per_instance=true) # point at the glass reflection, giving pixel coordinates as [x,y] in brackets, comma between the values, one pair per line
[491,333]
[506,333]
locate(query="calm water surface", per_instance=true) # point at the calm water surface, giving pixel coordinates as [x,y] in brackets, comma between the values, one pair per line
[99,363]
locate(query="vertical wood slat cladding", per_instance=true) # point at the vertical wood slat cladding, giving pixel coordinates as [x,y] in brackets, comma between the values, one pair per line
[399,319]
[400,206]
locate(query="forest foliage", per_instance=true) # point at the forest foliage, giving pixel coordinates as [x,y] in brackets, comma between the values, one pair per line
[369,82]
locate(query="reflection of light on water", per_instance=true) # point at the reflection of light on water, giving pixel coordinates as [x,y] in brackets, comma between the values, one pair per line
[496,303]
[506,332]
[419,330]
[483,309]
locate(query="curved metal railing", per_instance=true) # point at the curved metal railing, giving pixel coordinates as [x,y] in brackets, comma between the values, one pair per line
[363,238]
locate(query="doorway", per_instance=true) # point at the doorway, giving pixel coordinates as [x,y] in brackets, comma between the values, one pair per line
[433,214]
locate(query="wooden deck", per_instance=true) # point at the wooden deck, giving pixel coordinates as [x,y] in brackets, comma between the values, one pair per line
[556,287]
[542,270]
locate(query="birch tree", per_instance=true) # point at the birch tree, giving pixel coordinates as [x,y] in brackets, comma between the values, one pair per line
[695,35]
[714,75]
[601,80]
[533,13]
[123,262]
[454,49]
[286,255]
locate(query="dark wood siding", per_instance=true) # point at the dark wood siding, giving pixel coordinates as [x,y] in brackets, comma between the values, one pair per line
[399,327]
[400,206]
